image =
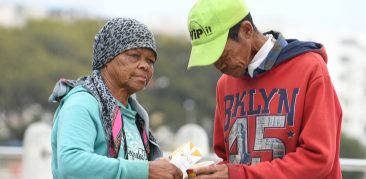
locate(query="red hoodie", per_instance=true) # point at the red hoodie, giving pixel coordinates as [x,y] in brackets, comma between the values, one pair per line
[285,123]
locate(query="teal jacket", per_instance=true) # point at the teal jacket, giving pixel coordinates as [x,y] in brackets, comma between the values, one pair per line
[79,148]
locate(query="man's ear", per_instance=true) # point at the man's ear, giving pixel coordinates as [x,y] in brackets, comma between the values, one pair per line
[246,30]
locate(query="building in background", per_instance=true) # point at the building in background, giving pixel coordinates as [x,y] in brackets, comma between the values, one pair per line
[350,81]
[13,15]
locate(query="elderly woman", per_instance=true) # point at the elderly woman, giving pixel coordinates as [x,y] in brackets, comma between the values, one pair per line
[99,130]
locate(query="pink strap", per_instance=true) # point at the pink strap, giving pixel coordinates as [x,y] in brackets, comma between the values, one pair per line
[117,125]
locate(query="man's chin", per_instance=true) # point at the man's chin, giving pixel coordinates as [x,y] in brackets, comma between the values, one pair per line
[235,75]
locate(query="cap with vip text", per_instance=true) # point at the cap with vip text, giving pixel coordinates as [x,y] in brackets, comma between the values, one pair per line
[209,22]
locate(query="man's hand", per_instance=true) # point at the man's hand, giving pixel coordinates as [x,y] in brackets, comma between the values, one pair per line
[163,169]
[212,171]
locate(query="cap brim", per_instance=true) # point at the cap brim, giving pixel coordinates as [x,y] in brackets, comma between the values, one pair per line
[209,52]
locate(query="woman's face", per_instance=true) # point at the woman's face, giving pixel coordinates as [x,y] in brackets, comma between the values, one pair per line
[132,69]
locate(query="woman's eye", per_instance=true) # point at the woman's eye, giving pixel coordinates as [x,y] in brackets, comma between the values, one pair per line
[151,61]
[135,55]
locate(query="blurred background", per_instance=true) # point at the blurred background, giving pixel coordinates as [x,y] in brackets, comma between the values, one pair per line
[44,40]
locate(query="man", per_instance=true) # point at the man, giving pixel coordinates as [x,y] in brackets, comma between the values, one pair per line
[277,113]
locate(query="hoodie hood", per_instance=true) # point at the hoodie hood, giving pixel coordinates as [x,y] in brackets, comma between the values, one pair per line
[286,49]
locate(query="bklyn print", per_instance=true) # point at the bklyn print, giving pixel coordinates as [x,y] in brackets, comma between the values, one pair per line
[258,101]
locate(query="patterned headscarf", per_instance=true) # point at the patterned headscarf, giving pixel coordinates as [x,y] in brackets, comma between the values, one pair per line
[117,36]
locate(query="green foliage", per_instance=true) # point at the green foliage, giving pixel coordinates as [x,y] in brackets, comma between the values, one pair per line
[351,148]
[34,57]
[195,84]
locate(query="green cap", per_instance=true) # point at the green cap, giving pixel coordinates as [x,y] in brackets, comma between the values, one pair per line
[209,22]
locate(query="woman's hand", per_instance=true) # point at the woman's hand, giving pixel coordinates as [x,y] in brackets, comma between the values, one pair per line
[163,169]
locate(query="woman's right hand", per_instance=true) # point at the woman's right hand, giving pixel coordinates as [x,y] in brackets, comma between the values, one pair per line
[163,169]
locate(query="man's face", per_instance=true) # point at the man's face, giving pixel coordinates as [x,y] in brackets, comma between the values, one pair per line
[235,58]
[132,69]
[237,55]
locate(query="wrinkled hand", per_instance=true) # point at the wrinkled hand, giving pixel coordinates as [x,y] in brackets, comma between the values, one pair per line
[212,171]
[163,169]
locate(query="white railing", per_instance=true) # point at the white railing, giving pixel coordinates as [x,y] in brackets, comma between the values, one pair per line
[11,158]
[353,165]
[11,152]
[10,162]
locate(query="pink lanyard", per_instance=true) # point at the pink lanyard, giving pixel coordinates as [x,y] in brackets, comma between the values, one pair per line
[117,128]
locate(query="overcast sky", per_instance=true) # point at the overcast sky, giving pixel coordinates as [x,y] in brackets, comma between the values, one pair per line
[347,15]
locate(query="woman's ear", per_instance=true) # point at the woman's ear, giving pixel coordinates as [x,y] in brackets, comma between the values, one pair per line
[246,30]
